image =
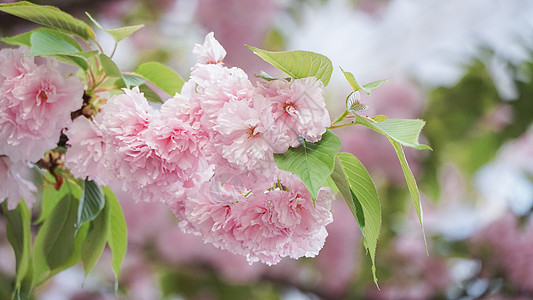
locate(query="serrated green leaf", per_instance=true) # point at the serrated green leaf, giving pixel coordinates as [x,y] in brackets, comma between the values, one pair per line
[55,242]
[91,203]
[94,245]
[56,237]
[404,131]
[397,145]
[61,46]
[117,231]
[132,80]
[411,185]
[22,39]
[161,76]
[49,16]
[375,84]
[51,196]
[356,86]
[364,191]
[351,200]
[118,34]
[351,80]
[44,43]
[19,236]
[298,64]
[110,68]
[311,162]
[149,94]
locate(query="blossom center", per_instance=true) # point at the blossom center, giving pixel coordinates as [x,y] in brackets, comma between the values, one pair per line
[290,109]
[251,132]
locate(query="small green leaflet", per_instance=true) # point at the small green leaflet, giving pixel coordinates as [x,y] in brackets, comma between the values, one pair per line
[118,34]
[298,64]
[110,68]
[365,88]
[132,80]
[404,131]
[49,16]
[91,203]
[116,231]
[19,236]
[312,162]
[365,198]
[161,76]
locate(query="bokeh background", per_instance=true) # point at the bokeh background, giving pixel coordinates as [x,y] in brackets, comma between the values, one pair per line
[464,66]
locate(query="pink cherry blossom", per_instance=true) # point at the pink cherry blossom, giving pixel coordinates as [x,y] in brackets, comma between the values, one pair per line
[35,105]
[298,108]
[245,139]
[15,183]
[15,63]
[85,156]
[211,52]
[35,110]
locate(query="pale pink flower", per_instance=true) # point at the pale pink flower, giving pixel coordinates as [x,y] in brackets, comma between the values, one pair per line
[245,139]
[35,108]
[122,120]
[86,153]
[211,52]
[218,85]
[15,183]
[155,156]
[298,108]
[15,63]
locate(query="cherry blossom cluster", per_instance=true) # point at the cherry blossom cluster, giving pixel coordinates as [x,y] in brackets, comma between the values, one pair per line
[208,153]
[36,101]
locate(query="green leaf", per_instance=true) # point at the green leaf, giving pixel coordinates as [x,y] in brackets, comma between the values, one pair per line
[110,68]
[411,185]
[119,33]
[413,128]
[44,43]
[117,231]
[19,236]
[312,162]
[19,39]
[94,245]
[403,131]
[51,196]
[351,200]
[55,242]
[132,80]
[59,232]
[41,269]
[298,64]
[149,94]
[64,48]
[161,76]
[91,203]
[375,84]
[49,16]
[356,86]
[364,191]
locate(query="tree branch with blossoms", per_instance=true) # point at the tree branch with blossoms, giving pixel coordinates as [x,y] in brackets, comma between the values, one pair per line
[251,169]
